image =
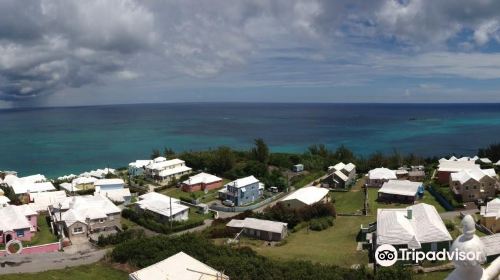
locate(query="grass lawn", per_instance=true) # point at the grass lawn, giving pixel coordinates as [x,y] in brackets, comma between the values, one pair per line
[430,199]
[87,272]
[301,180]
[335,245]
[44,235]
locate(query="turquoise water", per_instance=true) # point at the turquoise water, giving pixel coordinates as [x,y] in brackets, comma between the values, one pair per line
[58,141]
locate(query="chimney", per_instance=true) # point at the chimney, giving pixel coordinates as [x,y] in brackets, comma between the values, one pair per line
[409,213]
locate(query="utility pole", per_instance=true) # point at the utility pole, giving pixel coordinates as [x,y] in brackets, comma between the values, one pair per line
[170,212]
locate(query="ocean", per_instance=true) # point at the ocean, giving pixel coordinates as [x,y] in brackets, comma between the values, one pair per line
[59,141]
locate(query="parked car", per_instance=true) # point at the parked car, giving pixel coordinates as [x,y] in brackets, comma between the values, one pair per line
[228,202]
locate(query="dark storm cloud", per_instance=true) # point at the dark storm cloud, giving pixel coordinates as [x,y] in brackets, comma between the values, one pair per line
[47,46]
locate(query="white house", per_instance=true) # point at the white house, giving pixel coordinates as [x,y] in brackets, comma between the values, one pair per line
[305,197]
[99,173]
[113,189]
[180,266]
[28,184]
[485,160]
[400,191]
[447,167]
[415,227]
[165,208]
[474,184]
[41,201]
[163,170]
[83,215]
[378,176]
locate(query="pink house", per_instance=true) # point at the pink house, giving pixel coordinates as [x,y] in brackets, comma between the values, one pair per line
[17,222]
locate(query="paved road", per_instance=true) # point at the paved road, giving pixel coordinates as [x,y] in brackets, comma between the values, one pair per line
[47,261]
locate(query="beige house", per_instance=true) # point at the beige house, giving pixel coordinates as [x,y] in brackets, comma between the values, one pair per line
[474,184]
[490,215]
[81,216]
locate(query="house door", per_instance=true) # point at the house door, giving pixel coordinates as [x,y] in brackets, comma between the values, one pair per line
[8,237]
[434,246]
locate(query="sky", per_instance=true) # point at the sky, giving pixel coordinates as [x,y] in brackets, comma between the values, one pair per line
[71,52]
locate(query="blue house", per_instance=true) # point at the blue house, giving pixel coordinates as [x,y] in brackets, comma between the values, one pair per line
[242,191]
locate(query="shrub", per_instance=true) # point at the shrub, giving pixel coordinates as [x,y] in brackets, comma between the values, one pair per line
[450,226]
[149,221]
[120,237]
[320,224]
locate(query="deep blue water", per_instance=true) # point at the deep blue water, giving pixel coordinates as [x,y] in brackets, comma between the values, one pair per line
[58,141]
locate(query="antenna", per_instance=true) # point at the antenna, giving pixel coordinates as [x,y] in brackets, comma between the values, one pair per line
[217,275]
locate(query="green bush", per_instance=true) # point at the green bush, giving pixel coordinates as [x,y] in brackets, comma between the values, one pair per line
[120,237]
[148,221]
[320,224]
[241,264]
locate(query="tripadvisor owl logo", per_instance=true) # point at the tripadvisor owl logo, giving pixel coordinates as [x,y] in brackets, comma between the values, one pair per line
[386,255]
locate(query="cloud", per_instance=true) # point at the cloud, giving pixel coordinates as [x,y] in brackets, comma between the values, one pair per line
[50,46]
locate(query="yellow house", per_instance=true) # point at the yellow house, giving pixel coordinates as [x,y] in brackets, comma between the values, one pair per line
[490,215]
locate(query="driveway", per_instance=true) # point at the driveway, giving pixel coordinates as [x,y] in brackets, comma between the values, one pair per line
[48,261]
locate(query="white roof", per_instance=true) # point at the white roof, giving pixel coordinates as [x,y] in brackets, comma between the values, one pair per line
[485,160]
[25,187]
[308,195]
[498,162]
[13,217]
[140,163]
[456,166]
[349,167]
[381,174]
[4,200]
[400,187]
[41,201]
[180,266]
[160,204]
[492,209]
[116,195]
[104,182]
[99,173]
[341,175]
[394,227]
[68,186]
[491,244]
[159,159]
[243,182]
[66,177]
[204,178]
[258,224]
[161,165]
[339,166]
[173,171]
[476,174]
[84,180]
[79,208]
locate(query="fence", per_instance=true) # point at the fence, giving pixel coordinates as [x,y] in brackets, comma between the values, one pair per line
[38,249]
[439,197]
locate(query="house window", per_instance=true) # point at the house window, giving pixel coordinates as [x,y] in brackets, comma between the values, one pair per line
[466,188]
[111,217]
[20,232]
[101,221]
[78,230]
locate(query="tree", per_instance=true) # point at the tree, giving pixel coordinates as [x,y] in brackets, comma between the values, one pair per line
[169,153]
[222,160]
[155,153]
[260,152]
[344,154]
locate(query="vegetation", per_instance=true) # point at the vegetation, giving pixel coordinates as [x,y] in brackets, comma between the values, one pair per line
[44,234]
[236,263]
[150,222]
[492,152]
[319,224]
[120,237]
[86,272]
[295,216]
